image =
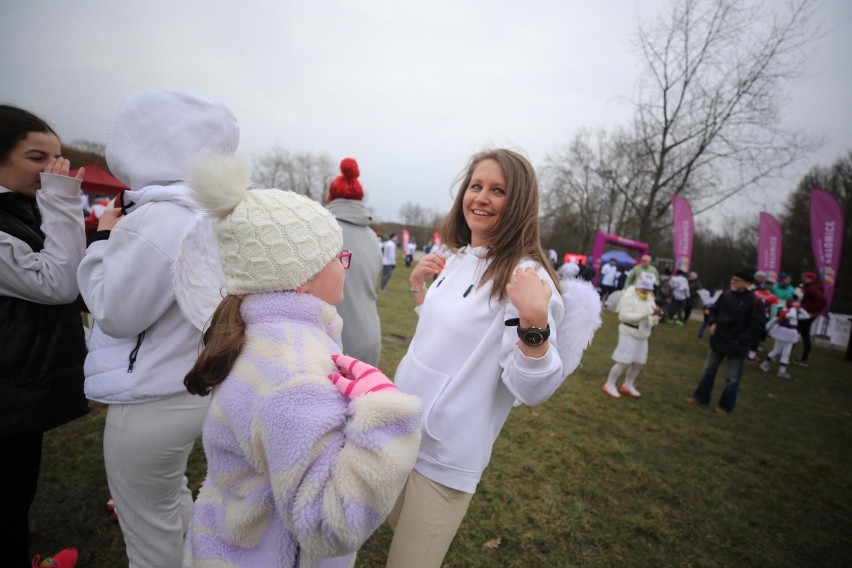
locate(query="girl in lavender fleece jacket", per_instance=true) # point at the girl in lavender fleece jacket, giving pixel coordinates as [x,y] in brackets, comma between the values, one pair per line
[306,450]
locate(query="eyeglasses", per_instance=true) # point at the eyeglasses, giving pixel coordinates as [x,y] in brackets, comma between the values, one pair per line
[345,258]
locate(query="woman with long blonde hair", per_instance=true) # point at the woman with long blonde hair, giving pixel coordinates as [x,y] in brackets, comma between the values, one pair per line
[486,337]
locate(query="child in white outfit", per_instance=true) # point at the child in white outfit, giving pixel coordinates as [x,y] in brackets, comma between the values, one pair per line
[637,315]
[782,328]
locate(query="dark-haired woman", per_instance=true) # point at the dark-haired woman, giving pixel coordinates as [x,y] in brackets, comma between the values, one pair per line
[486,337]
[42,347]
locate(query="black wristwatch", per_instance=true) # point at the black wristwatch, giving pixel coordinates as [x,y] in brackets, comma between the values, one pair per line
[532,336]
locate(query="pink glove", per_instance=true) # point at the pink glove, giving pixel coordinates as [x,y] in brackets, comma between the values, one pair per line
[357,378]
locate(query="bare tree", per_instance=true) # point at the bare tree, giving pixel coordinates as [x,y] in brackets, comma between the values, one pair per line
[306,173]
[84,152]
[420,220]
[579,193]
[707,118]
[90,147]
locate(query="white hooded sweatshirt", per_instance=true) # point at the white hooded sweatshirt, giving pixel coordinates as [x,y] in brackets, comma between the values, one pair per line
[142,345]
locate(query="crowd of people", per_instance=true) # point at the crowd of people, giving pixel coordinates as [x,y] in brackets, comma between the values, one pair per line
[248,317]
[738,319]
[225,312]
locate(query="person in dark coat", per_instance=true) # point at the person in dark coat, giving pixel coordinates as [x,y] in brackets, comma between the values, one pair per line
[694,299]
[42,345]
[813,302]
[735,320]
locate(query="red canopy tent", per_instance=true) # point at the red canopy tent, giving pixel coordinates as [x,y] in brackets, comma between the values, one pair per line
[97,181]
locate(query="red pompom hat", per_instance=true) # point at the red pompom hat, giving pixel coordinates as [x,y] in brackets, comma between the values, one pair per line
[346,186]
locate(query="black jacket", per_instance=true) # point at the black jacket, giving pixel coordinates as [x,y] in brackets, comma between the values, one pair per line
[42,347]
[740,320]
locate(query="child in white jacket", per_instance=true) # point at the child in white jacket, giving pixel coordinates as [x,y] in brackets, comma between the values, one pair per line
[782,329]
[637,314]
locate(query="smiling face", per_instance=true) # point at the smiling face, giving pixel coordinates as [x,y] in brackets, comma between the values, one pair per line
[484,200]
[20,171]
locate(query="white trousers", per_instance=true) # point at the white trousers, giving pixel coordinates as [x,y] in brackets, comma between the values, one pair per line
[146,447]
[782,348]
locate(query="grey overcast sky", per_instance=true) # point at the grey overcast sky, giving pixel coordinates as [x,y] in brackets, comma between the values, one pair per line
[409,89]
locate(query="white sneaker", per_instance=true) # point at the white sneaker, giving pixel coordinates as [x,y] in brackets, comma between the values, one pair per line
[610,390]
[630,391]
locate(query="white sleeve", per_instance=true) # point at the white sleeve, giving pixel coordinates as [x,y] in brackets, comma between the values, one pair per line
[532,381]
[47,276]
[126,280]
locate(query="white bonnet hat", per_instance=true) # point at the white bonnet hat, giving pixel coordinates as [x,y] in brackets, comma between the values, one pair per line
[269,239]
[646,281]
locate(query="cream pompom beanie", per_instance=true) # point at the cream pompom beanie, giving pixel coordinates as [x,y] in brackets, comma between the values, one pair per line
[269,239]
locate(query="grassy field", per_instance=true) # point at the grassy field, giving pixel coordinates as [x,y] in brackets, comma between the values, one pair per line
[586,480]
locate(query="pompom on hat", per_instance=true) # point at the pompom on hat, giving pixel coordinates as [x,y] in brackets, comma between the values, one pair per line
[346,185]
[270,240]
[646,281]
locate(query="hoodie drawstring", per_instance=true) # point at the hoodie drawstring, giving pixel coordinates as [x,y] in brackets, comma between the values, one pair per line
[135,351]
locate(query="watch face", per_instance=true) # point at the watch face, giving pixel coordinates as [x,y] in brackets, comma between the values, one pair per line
[533,337]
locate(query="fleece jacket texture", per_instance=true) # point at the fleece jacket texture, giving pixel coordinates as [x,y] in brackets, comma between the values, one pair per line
[298,475]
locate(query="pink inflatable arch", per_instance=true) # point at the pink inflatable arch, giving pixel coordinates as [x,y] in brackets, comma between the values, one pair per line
[602,239]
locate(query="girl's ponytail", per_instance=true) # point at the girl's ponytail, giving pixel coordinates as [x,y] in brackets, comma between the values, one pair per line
[223,341]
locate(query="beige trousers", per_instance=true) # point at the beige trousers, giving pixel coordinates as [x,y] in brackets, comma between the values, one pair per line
[425,520]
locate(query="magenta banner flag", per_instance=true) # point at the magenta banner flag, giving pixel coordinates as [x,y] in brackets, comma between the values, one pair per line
[683,230]
[826,239]
[406,237]
[769,247]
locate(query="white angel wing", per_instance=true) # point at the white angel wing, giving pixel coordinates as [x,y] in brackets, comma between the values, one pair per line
[581,319]
[198,278]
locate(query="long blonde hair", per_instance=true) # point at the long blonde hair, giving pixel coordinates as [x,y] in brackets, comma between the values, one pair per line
[518,234]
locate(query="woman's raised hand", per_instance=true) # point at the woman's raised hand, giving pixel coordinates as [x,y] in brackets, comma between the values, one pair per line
[530,294]
[61,166]
[429,265]
[110,217]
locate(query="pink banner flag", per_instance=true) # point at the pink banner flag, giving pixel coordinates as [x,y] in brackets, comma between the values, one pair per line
[406,237]
[682,233]
[769,247]
[826,239]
